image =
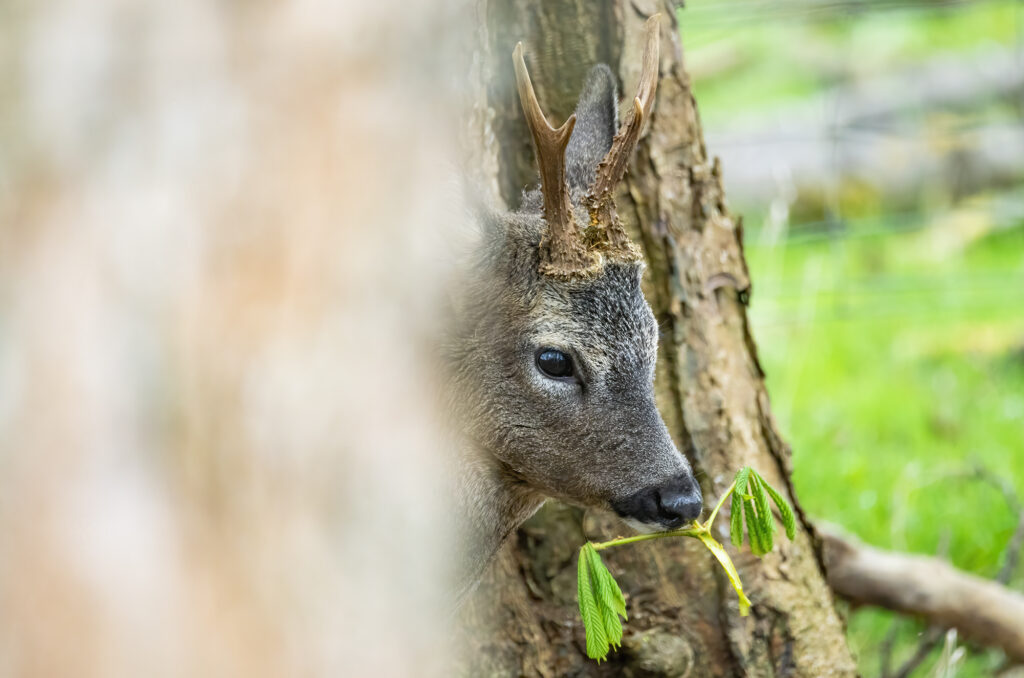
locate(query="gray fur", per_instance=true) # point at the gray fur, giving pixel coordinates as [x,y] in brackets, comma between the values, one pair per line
[596,117]
[529,437]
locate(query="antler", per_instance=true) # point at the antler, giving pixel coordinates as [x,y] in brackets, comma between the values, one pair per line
[562,251]
[613,166]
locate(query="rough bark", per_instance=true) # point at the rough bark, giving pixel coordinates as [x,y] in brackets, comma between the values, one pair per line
[683,615]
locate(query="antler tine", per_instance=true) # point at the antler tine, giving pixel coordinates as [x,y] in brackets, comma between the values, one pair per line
[611,169]
[562,251]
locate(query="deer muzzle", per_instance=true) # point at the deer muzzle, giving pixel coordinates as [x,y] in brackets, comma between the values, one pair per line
[665,506]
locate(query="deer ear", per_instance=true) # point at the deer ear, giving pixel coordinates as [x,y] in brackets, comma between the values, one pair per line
[596,123]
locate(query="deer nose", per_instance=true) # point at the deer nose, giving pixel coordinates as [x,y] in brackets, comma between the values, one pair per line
[679,501]
[667,506]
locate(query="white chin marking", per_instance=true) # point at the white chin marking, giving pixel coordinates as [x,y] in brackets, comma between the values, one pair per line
[644,528]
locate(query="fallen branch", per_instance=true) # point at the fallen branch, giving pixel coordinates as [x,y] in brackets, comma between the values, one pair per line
[980,609]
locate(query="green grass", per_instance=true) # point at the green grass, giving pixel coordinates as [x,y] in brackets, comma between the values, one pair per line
[895,352]
[891,367]
[762,55]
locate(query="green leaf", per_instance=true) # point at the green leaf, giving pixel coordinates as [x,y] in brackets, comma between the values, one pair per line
[608,597]
[741,479]
[612,627]
[601,603]
[610,593]
[593,623]
[736,509]
[736,520]
[788,519]
[620,601]
[754,527]
[764,511]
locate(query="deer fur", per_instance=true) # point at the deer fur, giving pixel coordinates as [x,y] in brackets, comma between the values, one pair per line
[599,442]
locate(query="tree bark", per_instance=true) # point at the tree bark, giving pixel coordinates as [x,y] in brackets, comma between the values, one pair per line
[683,616]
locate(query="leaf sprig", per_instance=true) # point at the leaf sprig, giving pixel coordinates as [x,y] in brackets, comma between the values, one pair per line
[600,598]
[601,603]
[754,506]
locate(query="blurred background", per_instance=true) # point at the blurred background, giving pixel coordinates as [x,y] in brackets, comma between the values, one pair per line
[202,209]
[190,302]
[875,149]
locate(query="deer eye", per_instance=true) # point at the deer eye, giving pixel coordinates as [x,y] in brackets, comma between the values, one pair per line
[554,364]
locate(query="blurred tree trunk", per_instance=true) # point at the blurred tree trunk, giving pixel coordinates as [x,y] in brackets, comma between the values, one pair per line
[683,615]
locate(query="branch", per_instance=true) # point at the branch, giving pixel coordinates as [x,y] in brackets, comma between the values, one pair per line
[980,609]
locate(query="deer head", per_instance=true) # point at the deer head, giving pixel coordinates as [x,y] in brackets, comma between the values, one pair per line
[555,353]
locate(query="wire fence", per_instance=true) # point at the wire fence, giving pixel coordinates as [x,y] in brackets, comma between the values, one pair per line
[953,125]
[749,12]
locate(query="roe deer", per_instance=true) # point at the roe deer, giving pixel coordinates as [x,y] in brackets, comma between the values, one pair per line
[553,350]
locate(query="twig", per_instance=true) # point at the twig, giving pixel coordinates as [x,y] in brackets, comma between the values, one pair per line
[931,639]
[1013,549]
[885,649]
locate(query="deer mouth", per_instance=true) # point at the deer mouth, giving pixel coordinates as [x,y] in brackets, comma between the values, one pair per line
[666,506]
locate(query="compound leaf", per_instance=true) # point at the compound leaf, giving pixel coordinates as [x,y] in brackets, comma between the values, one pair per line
[593,623]
[757,539]
[612,627]
[600,599]
[741,479]
[736,509]
[766,522]
[764,511]
[608,598]
[788,519]
[611,594]
[736,520]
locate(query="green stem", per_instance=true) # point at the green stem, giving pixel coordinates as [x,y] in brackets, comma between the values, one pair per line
[714,514]
[695,531]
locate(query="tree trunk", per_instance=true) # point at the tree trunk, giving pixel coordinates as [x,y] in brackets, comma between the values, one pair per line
[683,615]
